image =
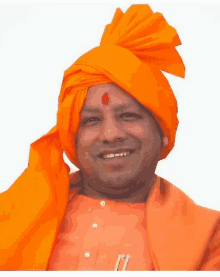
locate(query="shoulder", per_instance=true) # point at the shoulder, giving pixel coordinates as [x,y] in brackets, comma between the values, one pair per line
[181,200]
[185,226]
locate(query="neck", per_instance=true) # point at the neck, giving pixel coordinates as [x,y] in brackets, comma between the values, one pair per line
[128,195]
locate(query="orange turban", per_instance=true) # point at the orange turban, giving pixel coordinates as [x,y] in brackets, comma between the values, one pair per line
[134,49]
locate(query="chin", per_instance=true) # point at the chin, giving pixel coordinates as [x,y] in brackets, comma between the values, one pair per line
[118,179]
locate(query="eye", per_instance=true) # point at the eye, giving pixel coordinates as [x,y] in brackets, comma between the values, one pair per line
[130,116]
[90,120]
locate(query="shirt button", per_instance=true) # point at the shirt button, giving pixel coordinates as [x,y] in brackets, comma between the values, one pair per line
[95,225]
[102,203]
[87,254]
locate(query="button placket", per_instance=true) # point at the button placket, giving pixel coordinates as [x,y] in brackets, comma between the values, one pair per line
[91,242]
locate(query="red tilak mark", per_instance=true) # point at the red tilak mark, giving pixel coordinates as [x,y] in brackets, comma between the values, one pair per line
[105,99]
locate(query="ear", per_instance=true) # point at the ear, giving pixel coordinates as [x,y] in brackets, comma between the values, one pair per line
[164,144]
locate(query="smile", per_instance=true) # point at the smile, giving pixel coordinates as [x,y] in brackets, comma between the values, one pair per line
[121,154]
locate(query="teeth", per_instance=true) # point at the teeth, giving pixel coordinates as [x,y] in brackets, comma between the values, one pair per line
[110,156]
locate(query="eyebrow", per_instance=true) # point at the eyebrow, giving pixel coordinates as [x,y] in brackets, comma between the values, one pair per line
[118,108]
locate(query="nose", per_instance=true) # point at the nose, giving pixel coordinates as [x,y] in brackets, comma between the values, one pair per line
[111,131]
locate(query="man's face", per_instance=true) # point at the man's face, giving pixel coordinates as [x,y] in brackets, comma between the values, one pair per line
[116,143]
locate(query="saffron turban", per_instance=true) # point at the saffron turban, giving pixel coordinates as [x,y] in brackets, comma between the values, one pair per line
[134,49]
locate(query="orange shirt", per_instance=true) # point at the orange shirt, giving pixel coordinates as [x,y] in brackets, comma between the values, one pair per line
[95,232]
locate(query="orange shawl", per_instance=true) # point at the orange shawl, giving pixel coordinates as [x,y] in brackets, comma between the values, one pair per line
[178,230]
[134,49]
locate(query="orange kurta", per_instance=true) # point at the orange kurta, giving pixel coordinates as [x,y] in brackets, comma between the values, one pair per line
[94,232]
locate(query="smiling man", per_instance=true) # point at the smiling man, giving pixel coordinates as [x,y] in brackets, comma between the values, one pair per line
[117,119]
[119,144]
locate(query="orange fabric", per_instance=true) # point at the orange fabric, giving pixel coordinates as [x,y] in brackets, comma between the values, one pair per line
[133,50]
[211,258]
[178,230]
[117,226]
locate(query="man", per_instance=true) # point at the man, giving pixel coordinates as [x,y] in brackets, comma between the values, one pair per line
[117,118]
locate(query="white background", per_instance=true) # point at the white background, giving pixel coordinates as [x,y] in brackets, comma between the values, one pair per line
[38,42]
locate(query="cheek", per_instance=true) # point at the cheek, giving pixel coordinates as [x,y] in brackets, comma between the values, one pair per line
[87,136]
[139,131]
[147,134]
[85,139]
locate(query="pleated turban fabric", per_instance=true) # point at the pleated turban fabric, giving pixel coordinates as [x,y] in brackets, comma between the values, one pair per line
[134,49]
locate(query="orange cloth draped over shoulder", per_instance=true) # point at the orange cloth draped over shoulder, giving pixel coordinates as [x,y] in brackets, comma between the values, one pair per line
[135,47]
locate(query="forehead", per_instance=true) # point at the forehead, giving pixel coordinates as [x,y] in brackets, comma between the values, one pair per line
[116,94]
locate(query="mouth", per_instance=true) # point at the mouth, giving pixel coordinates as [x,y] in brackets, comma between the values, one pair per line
[116,154]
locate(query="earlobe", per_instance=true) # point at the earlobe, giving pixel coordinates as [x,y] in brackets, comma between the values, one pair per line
[165,141]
